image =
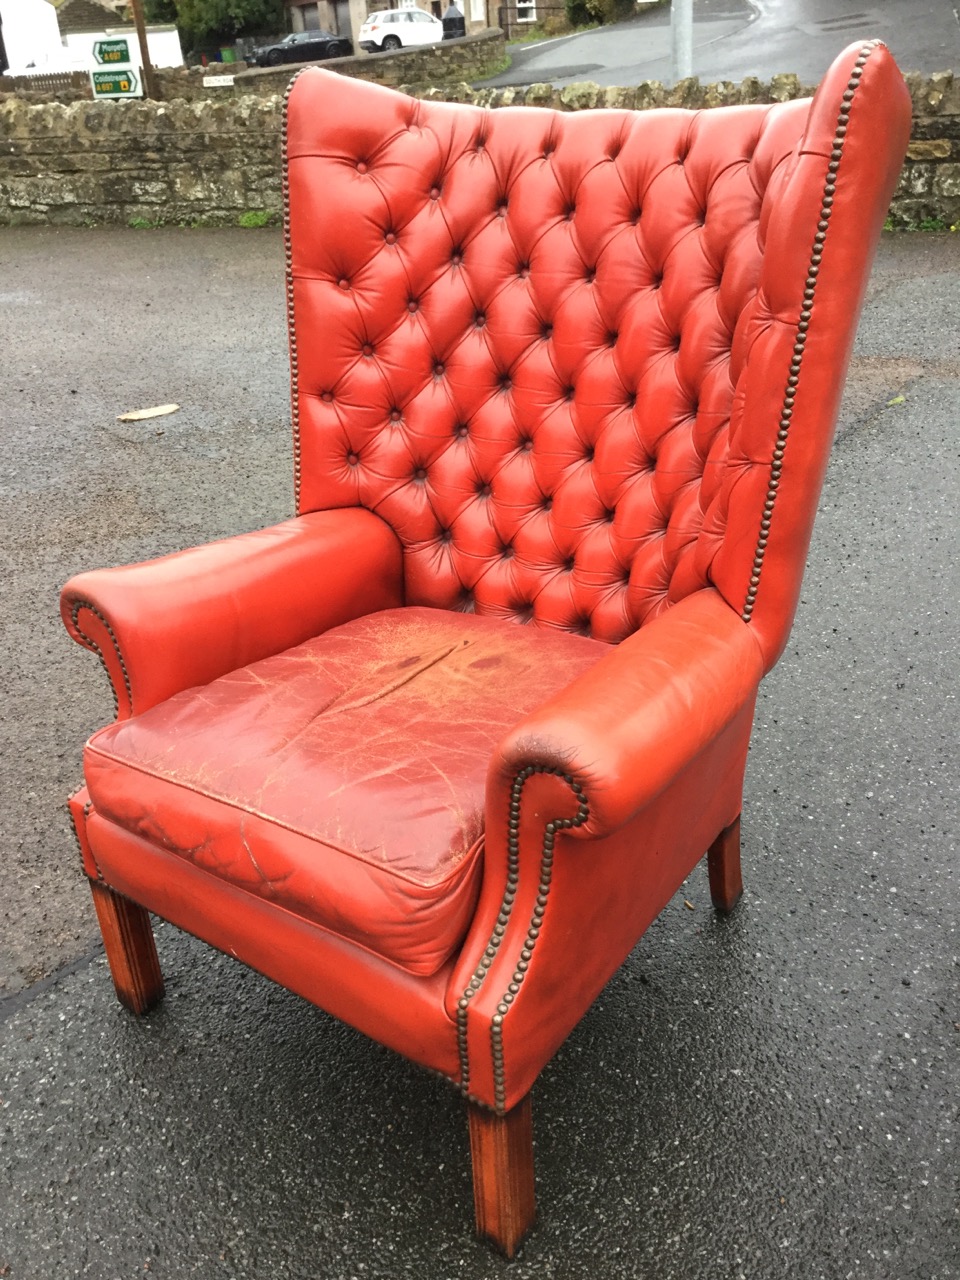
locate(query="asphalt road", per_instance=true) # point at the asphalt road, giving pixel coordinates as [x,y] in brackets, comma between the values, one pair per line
[734,39]
[773,1095]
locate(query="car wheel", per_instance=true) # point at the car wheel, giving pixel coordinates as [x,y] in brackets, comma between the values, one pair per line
[274,58]
[339,51]
[390,43]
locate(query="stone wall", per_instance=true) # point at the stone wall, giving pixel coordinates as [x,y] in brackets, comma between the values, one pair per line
[450,63]
[209,161]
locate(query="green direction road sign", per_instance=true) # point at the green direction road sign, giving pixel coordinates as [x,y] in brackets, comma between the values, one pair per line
[122,82]
[108,52]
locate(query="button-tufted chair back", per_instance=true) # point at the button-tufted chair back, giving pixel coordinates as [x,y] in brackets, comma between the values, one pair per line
[561,355]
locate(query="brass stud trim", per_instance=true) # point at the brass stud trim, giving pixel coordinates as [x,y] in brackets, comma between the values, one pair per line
[92,644]
[291,327]
[813,271]
[533,930]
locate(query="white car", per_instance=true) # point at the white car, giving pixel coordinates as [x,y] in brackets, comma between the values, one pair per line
[398,29]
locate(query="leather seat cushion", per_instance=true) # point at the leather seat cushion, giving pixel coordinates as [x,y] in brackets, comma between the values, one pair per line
[344,779]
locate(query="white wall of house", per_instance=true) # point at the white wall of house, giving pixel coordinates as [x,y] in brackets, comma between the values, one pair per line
[163,43]
[31,36]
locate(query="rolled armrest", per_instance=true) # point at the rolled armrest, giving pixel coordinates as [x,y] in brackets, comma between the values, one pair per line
[625,728]
[185,619]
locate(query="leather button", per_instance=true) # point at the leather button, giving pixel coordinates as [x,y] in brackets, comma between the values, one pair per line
[547,503]
[525,445]
[569,212]
[502,209]
[413,305]
[446,535]
[523,270]
[568,393]
[456,257]
[635,216]
[612,337]
[609,515]
[507,552]
[343,282]
[434,193]
[483,490]
[367,349]
[390,237]
[480,319]
[546,331]
[438,370]
[420,473]
[361,166]
[505,382]
[326,396]
[570,564]
[590,275]
[461,431]
[395,415]
[353,459]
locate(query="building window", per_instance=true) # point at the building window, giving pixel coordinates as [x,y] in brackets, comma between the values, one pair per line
[527,12]
[478,10]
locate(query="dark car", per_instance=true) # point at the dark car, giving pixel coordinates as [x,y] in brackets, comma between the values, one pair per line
[301,46]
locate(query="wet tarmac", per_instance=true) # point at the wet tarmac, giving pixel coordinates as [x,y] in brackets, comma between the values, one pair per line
[769,1095]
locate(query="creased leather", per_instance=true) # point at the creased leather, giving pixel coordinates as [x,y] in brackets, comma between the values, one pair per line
[636,719]
[343,779]
[184,619]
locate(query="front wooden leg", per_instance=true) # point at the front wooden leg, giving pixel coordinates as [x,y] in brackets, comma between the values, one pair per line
[131,950]
[723,864]
[503,1186]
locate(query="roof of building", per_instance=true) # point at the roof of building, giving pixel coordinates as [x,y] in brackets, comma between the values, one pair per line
[86,15]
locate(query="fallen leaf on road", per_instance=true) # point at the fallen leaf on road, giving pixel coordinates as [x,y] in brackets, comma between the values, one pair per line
[137,415]
[897,400]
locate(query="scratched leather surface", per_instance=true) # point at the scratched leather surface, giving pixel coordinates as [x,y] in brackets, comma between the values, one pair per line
[345,778]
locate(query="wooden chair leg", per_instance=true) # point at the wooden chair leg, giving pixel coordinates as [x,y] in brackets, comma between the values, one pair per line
[503,1185]
[131,950]
[723,864]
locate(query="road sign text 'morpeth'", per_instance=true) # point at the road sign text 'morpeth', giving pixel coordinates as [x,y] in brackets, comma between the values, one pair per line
[111,52]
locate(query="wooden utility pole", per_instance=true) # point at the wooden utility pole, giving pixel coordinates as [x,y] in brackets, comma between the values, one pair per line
[150,89]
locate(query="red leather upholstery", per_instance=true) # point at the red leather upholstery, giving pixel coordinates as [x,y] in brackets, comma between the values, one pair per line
[549,350]
[185,619]
[389,721]
[579,371]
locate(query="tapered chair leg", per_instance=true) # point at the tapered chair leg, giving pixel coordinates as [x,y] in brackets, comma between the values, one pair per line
[131,950]
[501,1148]
[723,864]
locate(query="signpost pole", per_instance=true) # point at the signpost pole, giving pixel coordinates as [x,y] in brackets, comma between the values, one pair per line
[149,78]
[681,38]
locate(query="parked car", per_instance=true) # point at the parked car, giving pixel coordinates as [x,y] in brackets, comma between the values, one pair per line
[398,29]
[301,46]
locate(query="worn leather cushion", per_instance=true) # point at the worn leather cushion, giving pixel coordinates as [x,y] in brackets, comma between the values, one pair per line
[343,779]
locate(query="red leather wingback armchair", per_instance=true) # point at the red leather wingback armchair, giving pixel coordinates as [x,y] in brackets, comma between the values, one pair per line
[437,751]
